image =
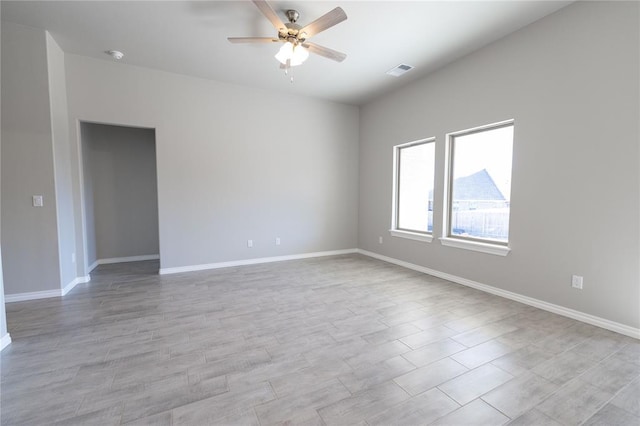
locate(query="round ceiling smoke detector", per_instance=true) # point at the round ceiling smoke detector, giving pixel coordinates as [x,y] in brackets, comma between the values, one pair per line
[116,54]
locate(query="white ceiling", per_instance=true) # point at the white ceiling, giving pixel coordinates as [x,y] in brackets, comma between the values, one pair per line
[189,37]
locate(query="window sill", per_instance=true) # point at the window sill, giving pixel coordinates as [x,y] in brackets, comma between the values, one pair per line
[495,249]
[425,238]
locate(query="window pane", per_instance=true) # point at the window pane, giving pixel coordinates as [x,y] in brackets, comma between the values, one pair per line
[415,187]
[481,184]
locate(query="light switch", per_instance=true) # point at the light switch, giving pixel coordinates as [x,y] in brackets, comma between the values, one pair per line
[37,201]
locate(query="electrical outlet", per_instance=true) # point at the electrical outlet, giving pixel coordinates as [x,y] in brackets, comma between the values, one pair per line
[576,281]
[249,243]
[380,240]
[38,201]
[277,241]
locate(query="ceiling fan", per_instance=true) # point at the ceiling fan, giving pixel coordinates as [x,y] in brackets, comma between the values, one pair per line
[296,48]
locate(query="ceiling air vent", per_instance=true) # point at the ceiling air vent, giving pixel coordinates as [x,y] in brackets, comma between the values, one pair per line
[399,70]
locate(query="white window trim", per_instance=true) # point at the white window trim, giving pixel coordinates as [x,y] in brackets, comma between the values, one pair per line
[426,237]
[498,250]
[450,240]
[416,236]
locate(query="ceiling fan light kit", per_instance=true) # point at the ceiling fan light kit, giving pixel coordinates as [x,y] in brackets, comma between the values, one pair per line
[296,48]
[292,54]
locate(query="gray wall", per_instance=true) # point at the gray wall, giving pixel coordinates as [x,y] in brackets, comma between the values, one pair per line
[88,203]
[234,163]
[62,162]
[3,316]
[120,187]
[29,234]
[570,81]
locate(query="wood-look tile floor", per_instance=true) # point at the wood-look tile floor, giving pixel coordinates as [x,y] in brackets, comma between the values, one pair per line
[338,341]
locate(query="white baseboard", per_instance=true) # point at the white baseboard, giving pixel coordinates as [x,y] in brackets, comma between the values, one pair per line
[93,266]
[75,282]
[5,341]
[110,260]
[21,297]
[128,259]
[192,268]
[556,309]
[66,289]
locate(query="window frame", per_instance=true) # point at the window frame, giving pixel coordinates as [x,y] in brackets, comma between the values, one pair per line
[485,245]
[396,231]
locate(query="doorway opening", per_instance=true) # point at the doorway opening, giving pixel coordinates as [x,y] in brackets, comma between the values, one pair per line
[120,194]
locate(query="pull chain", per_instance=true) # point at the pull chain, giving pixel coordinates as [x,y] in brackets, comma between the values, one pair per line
[287,67]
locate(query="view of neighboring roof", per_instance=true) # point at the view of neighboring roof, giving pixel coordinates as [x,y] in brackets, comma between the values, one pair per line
[478,186]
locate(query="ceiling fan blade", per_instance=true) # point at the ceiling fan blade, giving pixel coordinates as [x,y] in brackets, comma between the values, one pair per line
[270,14]
[325,51]
[327,20]
[252,39]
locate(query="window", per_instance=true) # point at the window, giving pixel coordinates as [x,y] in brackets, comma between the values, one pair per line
[413,190]
[478,190]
